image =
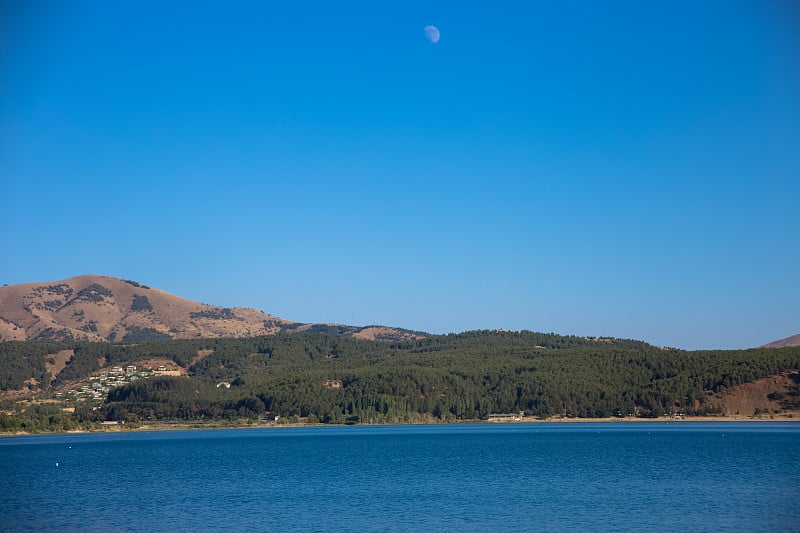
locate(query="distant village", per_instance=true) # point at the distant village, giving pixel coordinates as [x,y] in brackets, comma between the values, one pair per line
[99,385]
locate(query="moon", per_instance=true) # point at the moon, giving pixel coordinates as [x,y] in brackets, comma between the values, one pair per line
[432,34]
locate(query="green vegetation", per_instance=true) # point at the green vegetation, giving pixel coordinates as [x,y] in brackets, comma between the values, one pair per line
[52,305]
[89,327]
[337,379]
[141,303]
[93,293]
[23,361]
[55,334]
[61,289]
[137,334]
[135,284]
[33,422]
[214,314]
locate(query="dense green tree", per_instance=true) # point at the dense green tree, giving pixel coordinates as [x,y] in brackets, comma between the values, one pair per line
[338,379]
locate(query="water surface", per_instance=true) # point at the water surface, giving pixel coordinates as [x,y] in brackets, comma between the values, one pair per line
[510,477]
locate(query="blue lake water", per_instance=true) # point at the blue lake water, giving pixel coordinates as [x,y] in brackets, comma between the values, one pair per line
[681,476]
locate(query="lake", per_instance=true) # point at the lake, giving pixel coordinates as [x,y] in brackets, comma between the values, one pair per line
[682,476]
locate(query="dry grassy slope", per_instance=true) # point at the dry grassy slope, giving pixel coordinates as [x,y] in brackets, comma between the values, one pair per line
[100,307]
[794,340]
[376,333]
[744,399]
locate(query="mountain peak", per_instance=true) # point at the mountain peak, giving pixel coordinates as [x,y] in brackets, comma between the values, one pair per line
[103,308]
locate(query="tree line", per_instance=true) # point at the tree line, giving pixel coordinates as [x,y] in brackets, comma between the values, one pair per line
[338,379]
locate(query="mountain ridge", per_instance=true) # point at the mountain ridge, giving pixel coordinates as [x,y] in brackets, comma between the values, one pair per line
[99,308]
[103,308]
[794,340]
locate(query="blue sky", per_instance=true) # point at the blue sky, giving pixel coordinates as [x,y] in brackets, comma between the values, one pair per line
[629,169]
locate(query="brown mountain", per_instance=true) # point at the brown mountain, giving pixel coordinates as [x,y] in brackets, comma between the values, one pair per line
[794,340]
[102,308]
[98,308]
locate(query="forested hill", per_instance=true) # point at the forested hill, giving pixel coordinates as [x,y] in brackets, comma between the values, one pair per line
[332,378]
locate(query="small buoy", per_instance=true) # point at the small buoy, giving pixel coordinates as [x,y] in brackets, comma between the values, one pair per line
[56,464]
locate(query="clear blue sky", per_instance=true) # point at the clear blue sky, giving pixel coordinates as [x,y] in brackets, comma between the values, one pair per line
[629,168]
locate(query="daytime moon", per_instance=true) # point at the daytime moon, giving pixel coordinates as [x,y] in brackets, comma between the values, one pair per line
[432,34]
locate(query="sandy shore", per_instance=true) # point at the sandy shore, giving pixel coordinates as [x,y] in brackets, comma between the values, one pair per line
[788,417]
[783,417]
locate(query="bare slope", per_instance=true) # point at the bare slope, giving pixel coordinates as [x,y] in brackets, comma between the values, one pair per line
[98,308]
[794,340]
[760,396]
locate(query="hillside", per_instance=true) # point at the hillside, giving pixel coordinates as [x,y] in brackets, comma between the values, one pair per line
[102,308]
[329,377]
[75,356]
[794,340]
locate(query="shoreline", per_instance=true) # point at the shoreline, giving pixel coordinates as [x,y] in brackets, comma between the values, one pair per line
[189,426]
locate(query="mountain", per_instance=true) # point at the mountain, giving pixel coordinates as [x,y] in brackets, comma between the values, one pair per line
[103,308]
[98,308]
[794,340]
